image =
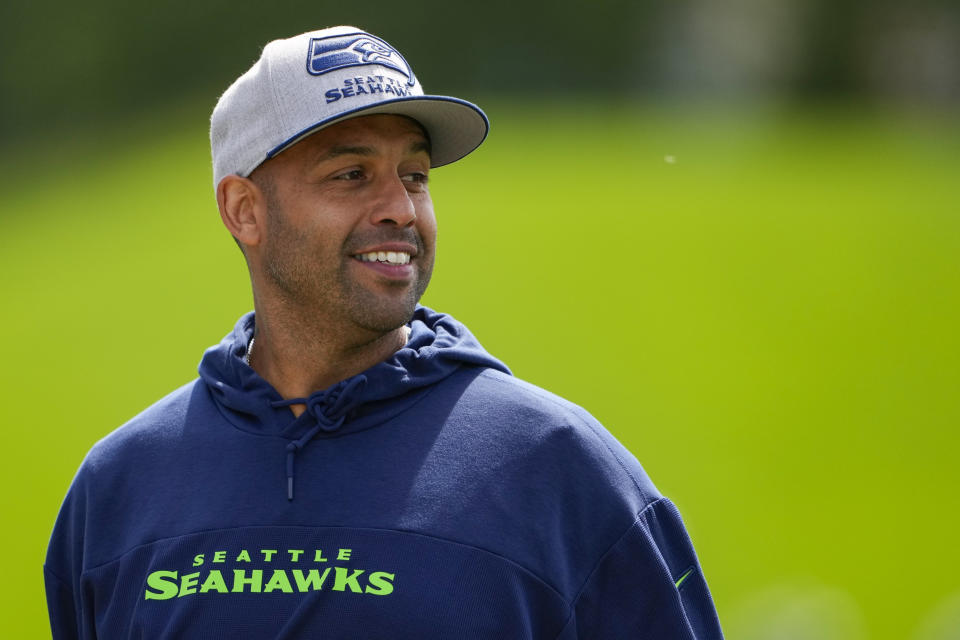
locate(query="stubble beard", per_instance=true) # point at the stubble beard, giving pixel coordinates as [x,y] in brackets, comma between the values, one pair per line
[328,290]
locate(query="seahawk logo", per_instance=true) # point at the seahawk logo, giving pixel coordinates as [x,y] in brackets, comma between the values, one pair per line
[336,52]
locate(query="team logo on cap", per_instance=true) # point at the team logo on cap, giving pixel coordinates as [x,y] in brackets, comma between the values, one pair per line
[336,52]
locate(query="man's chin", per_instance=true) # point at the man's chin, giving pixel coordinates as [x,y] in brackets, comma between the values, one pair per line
[386,316]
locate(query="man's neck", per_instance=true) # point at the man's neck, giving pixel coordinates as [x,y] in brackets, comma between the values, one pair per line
[298,358]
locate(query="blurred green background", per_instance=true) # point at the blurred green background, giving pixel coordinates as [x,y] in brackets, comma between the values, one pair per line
[730,231]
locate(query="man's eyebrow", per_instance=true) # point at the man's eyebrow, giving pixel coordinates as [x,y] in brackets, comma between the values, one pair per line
[345,150]
[420,146]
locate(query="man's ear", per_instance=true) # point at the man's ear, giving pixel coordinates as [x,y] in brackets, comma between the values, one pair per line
[243,209]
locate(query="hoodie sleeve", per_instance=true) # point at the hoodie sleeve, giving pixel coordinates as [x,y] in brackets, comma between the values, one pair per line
[64,565]
[60,606]
[647,586]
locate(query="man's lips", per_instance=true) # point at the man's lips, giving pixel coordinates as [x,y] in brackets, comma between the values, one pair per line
[391,260]
[390,254]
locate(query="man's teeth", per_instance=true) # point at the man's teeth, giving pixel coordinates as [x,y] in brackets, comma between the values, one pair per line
[389,257]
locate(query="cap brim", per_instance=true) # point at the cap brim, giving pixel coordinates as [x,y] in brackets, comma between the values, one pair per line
[456,127]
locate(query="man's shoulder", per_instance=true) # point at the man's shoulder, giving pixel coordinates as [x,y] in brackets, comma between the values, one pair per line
[528,403]
[156,426]
[555,432]
[520,395]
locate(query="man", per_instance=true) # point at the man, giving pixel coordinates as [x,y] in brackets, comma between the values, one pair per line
[350,464]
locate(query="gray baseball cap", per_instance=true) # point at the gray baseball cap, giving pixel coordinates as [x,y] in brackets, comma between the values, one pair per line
[310,81]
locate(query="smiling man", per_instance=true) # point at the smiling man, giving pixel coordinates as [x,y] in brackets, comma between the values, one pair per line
[339,234]
[350,464]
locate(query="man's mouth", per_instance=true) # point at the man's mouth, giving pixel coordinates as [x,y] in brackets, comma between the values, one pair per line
[386,257]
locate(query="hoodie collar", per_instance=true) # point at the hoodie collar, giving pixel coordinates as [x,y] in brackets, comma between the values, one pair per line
[438,345]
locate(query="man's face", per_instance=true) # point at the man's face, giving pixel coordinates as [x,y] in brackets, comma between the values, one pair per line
[350,228]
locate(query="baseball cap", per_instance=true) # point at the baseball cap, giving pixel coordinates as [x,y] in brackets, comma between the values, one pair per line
[311,81]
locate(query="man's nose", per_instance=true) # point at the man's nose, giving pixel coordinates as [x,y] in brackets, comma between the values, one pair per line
[393,204]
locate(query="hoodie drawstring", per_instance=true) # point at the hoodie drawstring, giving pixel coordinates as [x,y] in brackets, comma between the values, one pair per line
[330,410]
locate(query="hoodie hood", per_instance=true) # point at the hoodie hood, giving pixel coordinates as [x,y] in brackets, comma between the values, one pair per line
[437,347]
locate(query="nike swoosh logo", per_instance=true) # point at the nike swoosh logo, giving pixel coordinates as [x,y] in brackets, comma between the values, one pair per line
[683,578]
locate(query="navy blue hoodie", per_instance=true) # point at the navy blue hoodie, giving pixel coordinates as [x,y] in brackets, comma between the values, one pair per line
[432,496]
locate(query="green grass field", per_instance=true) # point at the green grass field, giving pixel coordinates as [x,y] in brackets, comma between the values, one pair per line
[763,306]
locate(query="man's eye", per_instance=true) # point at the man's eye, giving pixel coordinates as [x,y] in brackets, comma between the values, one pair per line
[417,177]
[355,174]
